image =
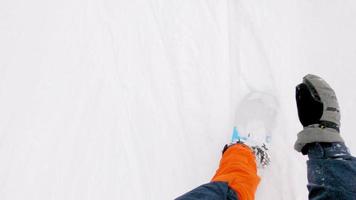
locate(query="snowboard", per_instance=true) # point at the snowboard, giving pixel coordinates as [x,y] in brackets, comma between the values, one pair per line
[254,124]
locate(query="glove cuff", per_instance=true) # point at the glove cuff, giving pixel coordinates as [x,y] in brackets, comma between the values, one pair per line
[316,133]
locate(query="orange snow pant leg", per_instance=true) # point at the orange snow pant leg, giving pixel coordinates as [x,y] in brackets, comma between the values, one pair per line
[238,168]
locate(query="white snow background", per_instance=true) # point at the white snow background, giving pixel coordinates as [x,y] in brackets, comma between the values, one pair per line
[135,99]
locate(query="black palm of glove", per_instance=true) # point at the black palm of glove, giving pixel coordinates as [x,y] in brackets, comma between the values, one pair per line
[310,109]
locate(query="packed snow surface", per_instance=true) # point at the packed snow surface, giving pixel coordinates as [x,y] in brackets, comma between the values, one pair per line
[135,99]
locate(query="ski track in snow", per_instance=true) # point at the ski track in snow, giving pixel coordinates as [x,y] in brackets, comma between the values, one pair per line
[136,99]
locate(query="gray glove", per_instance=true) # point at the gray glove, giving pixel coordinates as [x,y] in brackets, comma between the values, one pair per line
[318,111]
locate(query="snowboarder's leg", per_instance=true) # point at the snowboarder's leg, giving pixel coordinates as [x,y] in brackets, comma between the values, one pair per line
[331,168]
[331,171]
[238,169]
[210,191]
[236,177]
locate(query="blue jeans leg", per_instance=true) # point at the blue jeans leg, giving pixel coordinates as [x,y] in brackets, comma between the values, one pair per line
[331,172]
[210,191]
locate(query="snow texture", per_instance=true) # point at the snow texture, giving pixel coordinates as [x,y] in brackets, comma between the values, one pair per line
[135,99]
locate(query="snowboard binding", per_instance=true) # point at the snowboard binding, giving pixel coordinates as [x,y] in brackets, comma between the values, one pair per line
[262,157]
[259,148]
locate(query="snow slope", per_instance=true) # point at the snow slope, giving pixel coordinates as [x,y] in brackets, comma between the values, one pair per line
[135,99]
